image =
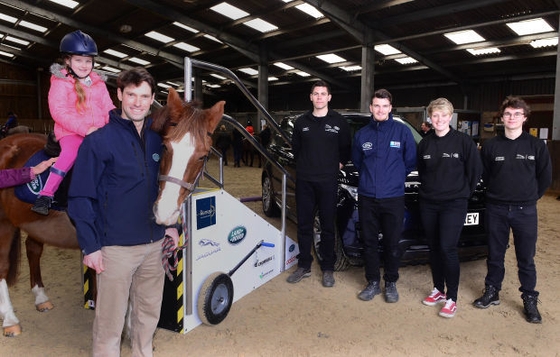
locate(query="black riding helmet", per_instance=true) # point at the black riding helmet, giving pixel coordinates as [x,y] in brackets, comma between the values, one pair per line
[78,43]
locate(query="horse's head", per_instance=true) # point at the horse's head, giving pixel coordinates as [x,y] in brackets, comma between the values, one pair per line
[186,132]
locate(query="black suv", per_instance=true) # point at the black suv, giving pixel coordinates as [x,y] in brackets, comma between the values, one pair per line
[413,244]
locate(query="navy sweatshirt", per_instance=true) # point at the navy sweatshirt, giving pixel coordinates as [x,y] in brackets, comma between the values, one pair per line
[516,172]
[449,167]
[319,144]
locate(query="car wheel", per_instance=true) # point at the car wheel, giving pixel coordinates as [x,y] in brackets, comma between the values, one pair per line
[270,208]
[342,261]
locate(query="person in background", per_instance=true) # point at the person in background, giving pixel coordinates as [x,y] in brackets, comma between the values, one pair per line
[443,201]
[517,172]
[321,146]
[11,123]
[19,176]
[265,136]
[250,127]
[79,104]
[112,193]
[425,128]
[384,153]
[237,140]
[223,142]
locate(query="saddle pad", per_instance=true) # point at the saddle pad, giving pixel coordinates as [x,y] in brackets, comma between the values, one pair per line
[28,192]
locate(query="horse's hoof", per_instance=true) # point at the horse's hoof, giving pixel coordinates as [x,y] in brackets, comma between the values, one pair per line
[45,306]
[12,331]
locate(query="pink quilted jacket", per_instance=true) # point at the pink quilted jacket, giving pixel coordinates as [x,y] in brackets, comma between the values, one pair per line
[62,103]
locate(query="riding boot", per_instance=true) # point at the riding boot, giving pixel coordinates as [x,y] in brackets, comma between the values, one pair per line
[42,205]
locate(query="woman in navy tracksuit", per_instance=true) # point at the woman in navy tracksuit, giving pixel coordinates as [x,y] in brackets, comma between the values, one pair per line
[449,168]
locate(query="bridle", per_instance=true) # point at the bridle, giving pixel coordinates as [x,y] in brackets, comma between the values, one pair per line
[190,186]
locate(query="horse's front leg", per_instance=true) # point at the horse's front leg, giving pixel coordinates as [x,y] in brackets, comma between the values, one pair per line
[11,324]
[34,250]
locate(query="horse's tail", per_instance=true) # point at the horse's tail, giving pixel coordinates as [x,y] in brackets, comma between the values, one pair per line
[14,258]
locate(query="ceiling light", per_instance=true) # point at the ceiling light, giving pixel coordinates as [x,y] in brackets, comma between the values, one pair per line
[483,51]
[303,74]
[111,69]
[33,26]
[213,86]
[68,3]
[261,25]
[6,54]
[8,18]
[272,79]
[386,49]
[115,53]
[529,27]
[210,37]
[406,60]
[331,58]
[351,68]
[163,85]
[17,40]
[188,28]
[310,10]
[186,47]
[230,11]
[159,37]
[139,61]
[462,37]
[283,66]
[249,71]
[218,76]
[545,42]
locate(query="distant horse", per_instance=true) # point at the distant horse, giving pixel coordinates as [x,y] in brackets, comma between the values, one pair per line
[249,151]
[20,129]
[185,133]
[15,215]
[187,137]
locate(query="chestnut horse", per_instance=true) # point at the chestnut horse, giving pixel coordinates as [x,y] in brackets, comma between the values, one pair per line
[185,131]
[15,215]
[187,136]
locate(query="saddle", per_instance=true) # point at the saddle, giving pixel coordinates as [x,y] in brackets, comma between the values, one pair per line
[28,192]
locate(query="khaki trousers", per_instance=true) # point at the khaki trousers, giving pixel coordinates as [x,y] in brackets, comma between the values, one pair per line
[132,273]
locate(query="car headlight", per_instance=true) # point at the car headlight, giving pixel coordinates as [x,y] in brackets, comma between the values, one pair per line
[352,191]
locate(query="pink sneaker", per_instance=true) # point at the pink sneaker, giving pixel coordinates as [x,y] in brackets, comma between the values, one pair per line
[434,298]
[449,309]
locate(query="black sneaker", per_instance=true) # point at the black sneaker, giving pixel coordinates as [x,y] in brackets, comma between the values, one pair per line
[491,296]
[532,314]
[370,291]
[391,293]
[328,279]
[299,274]
[42,205]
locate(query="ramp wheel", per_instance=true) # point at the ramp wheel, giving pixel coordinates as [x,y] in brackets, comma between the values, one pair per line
[215,298]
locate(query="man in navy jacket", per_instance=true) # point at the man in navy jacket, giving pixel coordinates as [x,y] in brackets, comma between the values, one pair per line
[113,189]
[384,153]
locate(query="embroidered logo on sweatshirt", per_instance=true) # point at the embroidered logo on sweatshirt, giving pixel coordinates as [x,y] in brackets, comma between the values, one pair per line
[453,155]
[525,157]
[332,129]
[499,158]
[395,144]
[367,146]
[305,128]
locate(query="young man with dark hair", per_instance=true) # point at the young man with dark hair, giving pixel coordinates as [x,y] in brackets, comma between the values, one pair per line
[517,172]
[321,147]
[384,153]
[113,189]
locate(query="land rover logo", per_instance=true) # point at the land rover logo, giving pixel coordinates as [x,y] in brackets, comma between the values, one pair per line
[237,235]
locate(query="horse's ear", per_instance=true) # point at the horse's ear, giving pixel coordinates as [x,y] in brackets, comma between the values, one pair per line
[159,118]
[175,103]
[216,112]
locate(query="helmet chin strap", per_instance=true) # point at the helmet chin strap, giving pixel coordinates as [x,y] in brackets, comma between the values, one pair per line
[73,74]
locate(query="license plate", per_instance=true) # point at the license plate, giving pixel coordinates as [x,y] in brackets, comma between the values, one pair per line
[471,219]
